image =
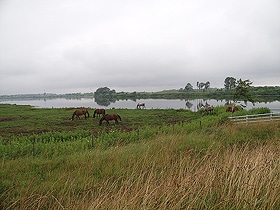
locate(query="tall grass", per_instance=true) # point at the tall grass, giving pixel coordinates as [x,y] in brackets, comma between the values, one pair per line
[227,179]
[220,167]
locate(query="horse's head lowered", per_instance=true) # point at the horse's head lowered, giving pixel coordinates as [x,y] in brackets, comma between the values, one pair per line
[232,109]
[98,112]
[108,117]
[139,105]
[79,112]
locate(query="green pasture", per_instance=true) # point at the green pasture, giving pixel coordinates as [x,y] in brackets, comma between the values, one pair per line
[152,159]
[29,120]
[27,130]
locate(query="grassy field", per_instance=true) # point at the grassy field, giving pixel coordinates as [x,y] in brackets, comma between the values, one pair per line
[153,159]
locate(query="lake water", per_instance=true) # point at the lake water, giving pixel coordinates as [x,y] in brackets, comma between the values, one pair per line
[193,105]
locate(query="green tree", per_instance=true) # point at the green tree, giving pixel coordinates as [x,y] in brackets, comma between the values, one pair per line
[242,91]
[207,85]
[200,85]
[188,87]
[104,96]
[230,83]
[104,91]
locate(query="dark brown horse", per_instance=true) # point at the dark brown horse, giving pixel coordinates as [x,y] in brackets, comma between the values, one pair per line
[139,105]
[98,112]
[208,109]
[108,117]
[232,109]
[80,112]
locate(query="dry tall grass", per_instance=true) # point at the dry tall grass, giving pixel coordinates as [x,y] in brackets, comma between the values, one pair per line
[238,178]
[164,173]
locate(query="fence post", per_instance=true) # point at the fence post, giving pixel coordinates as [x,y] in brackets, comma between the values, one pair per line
[246,119]
[270,116]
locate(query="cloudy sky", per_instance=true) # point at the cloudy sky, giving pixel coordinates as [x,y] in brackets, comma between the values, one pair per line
[149,45]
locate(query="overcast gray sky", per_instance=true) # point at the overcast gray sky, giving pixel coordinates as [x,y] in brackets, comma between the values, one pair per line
[62,46]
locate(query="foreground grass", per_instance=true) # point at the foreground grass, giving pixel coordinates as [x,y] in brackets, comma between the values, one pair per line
[217,167]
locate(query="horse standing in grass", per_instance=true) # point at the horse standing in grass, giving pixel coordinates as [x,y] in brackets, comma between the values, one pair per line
[139,105]
[80,112]
[232,109]
[108,117]
[98,112]
[208,109]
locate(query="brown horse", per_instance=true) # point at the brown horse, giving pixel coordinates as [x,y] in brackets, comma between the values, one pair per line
[98,112]
[232,109]
[80,112]
[139,105]
[108,117]
[208,109]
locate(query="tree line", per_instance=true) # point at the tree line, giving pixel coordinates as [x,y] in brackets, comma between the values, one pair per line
[229,84]
[234,90]
[105,96]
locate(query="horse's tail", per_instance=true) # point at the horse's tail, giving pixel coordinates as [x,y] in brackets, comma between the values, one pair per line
[87,113]
[94,113]
[120,117]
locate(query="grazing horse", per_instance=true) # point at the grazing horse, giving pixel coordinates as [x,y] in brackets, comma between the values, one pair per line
[79,112]
[208,109]
[139,105]
[98,112]
[108,117]
[232,109]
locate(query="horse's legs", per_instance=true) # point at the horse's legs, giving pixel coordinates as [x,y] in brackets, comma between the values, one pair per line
[116,121]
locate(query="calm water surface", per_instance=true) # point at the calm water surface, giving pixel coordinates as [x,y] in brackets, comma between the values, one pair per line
[193,105]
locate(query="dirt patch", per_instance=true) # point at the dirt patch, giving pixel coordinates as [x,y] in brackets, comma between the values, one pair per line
[22,130]
[70,123]
[9,119]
